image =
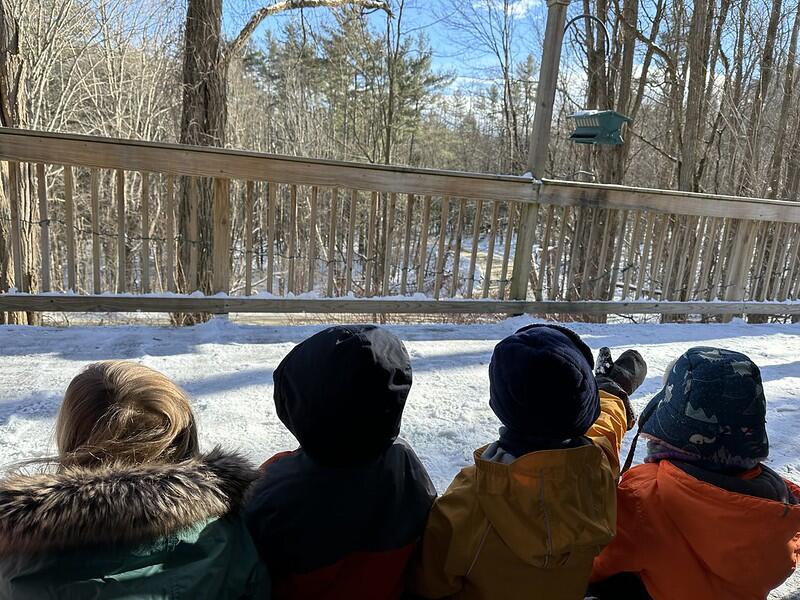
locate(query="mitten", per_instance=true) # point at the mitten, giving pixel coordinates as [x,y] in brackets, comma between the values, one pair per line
[621,377]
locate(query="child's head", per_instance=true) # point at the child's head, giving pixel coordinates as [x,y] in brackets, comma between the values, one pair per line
[124,412]
[542,385]
[342,391]
[711,411]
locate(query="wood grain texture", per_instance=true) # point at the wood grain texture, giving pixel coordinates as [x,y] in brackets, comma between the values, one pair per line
[16,234]
[69,227]
[249,200]
[221,259]
[44,219]
[145,254]
[95,201]
[121,227]
[214,304]
[169,207]
[33,146]
[178,159]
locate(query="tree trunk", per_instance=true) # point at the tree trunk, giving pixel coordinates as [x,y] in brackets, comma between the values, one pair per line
[13,114]
[619,154]
[698,53]
[752,150]
[203,121]
[776,163]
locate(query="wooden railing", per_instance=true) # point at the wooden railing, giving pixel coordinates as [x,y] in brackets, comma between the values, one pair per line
[106,220]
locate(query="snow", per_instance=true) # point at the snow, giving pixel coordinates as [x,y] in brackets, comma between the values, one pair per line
[227,369]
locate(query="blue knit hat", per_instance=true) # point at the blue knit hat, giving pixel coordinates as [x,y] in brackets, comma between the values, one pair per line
[711,411]
[542,383]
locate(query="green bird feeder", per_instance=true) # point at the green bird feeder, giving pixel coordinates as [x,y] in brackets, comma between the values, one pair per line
[598,127]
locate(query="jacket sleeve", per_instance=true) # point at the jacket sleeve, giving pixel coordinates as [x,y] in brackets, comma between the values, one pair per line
[431,575]
[440,563]
[610,427]
[628,551]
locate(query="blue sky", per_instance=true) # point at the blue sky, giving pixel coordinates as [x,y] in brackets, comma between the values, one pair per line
[453,50]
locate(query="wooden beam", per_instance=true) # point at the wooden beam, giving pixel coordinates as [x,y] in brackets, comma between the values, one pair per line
[351,240]
[221,265]
[16,234]
[312,239]
[290,274]
[571,193]
[221,305]
[121,250]
[194,233]
[69,227]
[133,155]
[333,217]
[249,200]
[95,198]
[169,206]
[372,243]
[423,244]
[145,257]
[271,210]
[388,247]
[44,219]
[88,151]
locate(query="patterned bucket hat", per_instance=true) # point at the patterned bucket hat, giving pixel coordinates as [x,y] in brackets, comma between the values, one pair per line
[712,409]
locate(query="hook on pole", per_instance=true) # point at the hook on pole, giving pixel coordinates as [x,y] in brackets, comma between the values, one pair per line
[596,20]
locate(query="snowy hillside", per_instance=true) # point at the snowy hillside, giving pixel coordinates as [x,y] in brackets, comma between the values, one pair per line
[227,369]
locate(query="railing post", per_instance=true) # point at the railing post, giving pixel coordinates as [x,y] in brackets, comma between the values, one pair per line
[521,271]
[16,228]
[44,220]
[540,139]
[222,236]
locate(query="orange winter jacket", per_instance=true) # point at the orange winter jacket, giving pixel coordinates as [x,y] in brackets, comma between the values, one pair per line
[525,530]
[690,540]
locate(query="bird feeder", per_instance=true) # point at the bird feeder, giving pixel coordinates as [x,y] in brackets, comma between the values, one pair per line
[598,127]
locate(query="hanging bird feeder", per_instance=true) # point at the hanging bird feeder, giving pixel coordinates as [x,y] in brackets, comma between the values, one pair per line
[598,127]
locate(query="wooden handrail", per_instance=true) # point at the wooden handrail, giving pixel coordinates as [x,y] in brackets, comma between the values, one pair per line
[132,155]
[573,193]
[176,159]
[224,305]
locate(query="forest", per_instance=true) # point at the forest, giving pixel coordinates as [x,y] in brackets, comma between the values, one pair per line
[709,86]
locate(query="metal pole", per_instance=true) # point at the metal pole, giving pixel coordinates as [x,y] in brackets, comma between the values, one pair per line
[540,137]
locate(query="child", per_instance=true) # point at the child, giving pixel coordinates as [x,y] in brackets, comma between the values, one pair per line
[339,517]
[133,508]
[703,518]
[538,505]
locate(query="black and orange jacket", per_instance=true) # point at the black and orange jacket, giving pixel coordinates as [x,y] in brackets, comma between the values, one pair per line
[340,533]
[338,518]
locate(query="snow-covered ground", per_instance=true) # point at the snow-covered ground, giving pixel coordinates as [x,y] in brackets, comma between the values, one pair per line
[227,369]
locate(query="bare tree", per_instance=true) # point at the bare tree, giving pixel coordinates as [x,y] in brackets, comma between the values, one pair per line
[204,114]
[13,114]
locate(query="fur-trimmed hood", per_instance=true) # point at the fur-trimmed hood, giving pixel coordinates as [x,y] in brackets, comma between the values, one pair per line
[119,504]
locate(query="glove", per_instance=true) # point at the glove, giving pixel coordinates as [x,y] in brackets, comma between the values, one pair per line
[621,377]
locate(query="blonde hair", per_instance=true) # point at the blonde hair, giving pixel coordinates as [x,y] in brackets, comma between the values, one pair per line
[122,412]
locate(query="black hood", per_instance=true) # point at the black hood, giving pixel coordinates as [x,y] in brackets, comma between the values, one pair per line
[342,391]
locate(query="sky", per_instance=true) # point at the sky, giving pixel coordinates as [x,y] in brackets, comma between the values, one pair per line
[453,51]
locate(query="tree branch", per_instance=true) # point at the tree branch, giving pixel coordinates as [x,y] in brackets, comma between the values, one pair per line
[285,5]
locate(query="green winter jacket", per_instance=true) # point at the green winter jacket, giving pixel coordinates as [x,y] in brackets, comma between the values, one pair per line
[151,532]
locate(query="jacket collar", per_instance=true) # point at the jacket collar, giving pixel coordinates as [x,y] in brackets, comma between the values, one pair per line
[117,504]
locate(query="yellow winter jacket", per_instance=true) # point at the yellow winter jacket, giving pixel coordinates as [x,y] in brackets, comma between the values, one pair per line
[526,530]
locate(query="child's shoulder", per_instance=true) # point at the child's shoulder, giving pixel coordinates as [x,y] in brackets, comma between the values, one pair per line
[275,458]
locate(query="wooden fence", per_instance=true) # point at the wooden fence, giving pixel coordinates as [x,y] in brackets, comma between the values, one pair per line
[106,216]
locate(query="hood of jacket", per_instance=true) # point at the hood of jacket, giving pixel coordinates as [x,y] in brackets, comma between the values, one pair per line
[757,534]
[548,504]
[117,504]
[342,391]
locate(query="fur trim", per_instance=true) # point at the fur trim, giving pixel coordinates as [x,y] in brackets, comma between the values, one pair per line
[118,504]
